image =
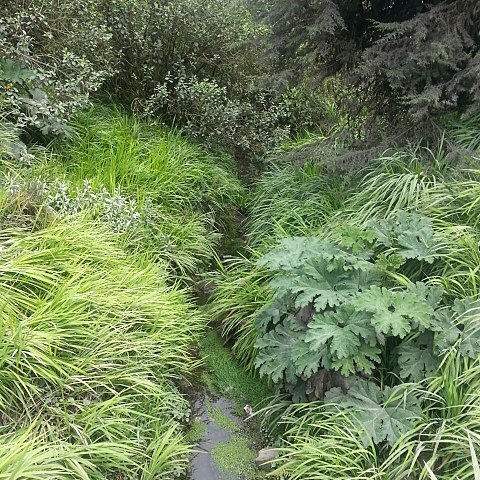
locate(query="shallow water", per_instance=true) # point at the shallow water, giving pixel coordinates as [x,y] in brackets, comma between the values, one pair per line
[202,465]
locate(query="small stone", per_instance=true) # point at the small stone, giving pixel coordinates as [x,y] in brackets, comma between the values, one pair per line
[266,455]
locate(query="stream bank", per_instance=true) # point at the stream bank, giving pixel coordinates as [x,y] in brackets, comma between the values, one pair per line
[226,440]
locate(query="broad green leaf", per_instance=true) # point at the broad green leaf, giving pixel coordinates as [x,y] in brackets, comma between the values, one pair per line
[446,333]
[416,358]
[275,353]
[364,360]
[416,238]
[283,351]
[308,361]
[384,414]
[291,253]
[12,71]
[344,334]
[394,311]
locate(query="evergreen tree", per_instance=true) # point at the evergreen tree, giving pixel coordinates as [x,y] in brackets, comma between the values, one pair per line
[418,56]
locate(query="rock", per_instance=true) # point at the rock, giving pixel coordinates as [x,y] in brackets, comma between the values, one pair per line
[266,455]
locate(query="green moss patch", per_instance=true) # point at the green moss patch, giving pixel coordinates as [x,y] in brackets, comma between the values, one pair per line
[225,376]
[196,432]
[236,457]
[222,420]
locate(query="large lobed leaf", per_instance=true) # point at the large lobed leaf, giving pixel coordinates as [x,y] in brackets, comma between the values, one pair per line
[385,414]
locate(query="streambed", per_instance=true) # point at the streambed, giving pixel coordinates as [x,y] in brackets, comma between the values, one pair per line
[208,410]
[226,441]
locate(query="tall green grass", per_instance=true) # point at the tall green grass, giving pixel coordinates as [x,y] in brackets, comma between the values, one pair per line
[118,151]
[239,294]
[190,196]
[293,200]
[92,344]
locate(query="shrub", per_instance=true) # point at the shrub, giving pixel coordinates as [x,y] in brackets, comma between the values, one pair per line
[249,125]
[54,54]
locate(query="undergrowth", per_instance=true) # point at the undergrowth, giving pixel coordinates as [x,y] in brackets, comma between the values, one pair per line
[396,401]
[93,344]
[170,198]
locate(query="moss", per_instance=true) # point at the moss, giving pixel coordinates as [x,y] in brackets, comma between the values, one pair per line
[196,432]
[236,457]
[222,420]
[225,376]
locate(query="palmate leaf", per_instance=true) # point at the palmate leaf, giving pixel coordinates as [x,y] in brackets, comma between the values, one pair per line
[416,358]
[326,283]
[318,292]
[291,253]
[446,333]
[343,342]
[394,311]
[14,72]
[412,236]
[307,362]
[431,294]
[416,238]
[274,357]
[364,360]
[283,352]
[458,326]
[350,338]
[384,414]
[466,316]
[358,240]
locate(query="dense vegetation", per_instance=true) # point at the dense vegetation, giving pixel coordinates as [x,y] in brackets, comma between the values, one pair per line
[313,167]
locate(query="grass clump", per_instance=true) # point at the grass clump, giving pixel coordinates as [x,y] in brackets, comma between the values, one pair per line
[240,293]
[167,196]
[93,341]
[291,201]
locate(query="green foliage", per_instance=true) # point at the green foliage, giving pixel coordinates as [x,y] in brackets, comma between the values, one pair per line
[135,178]
[292,200]
[197,63]
[322,443]
[196,432]
[401,56]
[464,131]
[332,309]
[54,55]
[447,433]
[240,292]
[236,457]
[375,311]
[92,340]
[401,180]
[384,414]
[248,125]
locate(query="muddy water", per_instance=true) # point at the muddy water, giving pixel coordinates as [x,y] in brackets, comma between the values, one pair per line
[202,465]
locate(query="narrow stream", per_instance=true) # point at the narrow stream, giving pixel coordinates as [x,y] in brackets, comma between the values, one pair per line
[203,466]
